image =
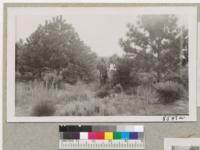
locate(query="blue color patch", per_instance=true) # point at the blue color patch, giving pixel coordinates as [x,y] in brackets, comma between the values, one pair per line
[125,135]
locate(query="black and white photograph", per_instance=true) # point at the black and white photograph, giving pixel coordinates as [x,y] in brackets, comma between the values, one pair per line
[182,144]
[101,64]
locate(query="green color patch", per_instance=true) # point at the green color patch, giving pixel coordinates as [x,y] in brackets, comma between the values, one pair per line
[117,135]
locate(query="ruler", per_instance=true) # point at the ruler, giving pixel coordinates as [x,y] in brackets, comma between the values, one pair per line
[102,137]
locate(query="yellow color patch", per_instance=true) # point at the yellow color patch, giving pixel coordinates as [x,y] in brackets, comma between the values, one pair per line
[108,135]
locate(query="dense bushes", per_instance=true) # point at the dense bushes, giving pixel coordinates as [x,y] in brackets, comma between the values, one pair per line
[125,73]
[169,91]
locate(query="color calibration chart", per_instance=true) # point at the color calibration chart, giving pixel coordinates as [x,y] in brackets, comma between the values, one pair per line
[102,137]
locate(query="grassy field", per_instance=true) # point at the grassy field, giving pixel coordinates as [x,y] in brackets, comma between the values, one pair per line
[32,99]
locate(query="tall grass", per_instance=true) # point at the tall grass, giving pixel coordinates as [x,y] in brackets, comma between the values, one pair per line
[32,99]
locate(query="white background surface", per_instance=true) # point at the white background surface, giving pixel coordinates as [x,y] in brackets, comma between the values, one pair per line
[169,142]
[43,136]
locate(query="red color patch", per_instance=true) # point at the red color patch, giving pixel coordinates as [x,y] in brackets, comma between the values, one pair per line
[100,135]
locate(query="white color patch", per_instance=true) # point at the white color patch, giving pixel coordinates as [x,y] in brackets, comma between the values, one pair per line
[83,135]
[130,128]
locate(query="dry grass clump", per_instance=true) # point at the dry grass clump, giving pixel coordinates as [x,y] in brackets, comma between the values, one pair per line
[89,108]
[78,108]
[147,95]
[76,97]
[43,108]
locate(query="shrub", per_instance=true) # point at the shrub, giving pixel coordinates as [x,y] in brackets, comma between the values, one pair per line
[43,108]
[181,77]
[103,92]
[174,77]
[125,74]
[169,91]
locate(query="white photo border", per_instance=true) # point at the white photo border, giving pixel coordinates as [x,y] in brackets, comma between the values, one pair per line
[198,65]
[12,12]
[170,142]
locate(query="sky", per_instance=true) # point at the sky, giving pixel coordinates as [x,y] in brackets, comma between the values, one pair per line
[100,31]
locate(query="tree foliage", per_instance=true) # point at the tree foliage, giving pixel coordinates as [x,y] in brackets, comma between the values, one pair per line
[126,73]
[56,45]
[157,44]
